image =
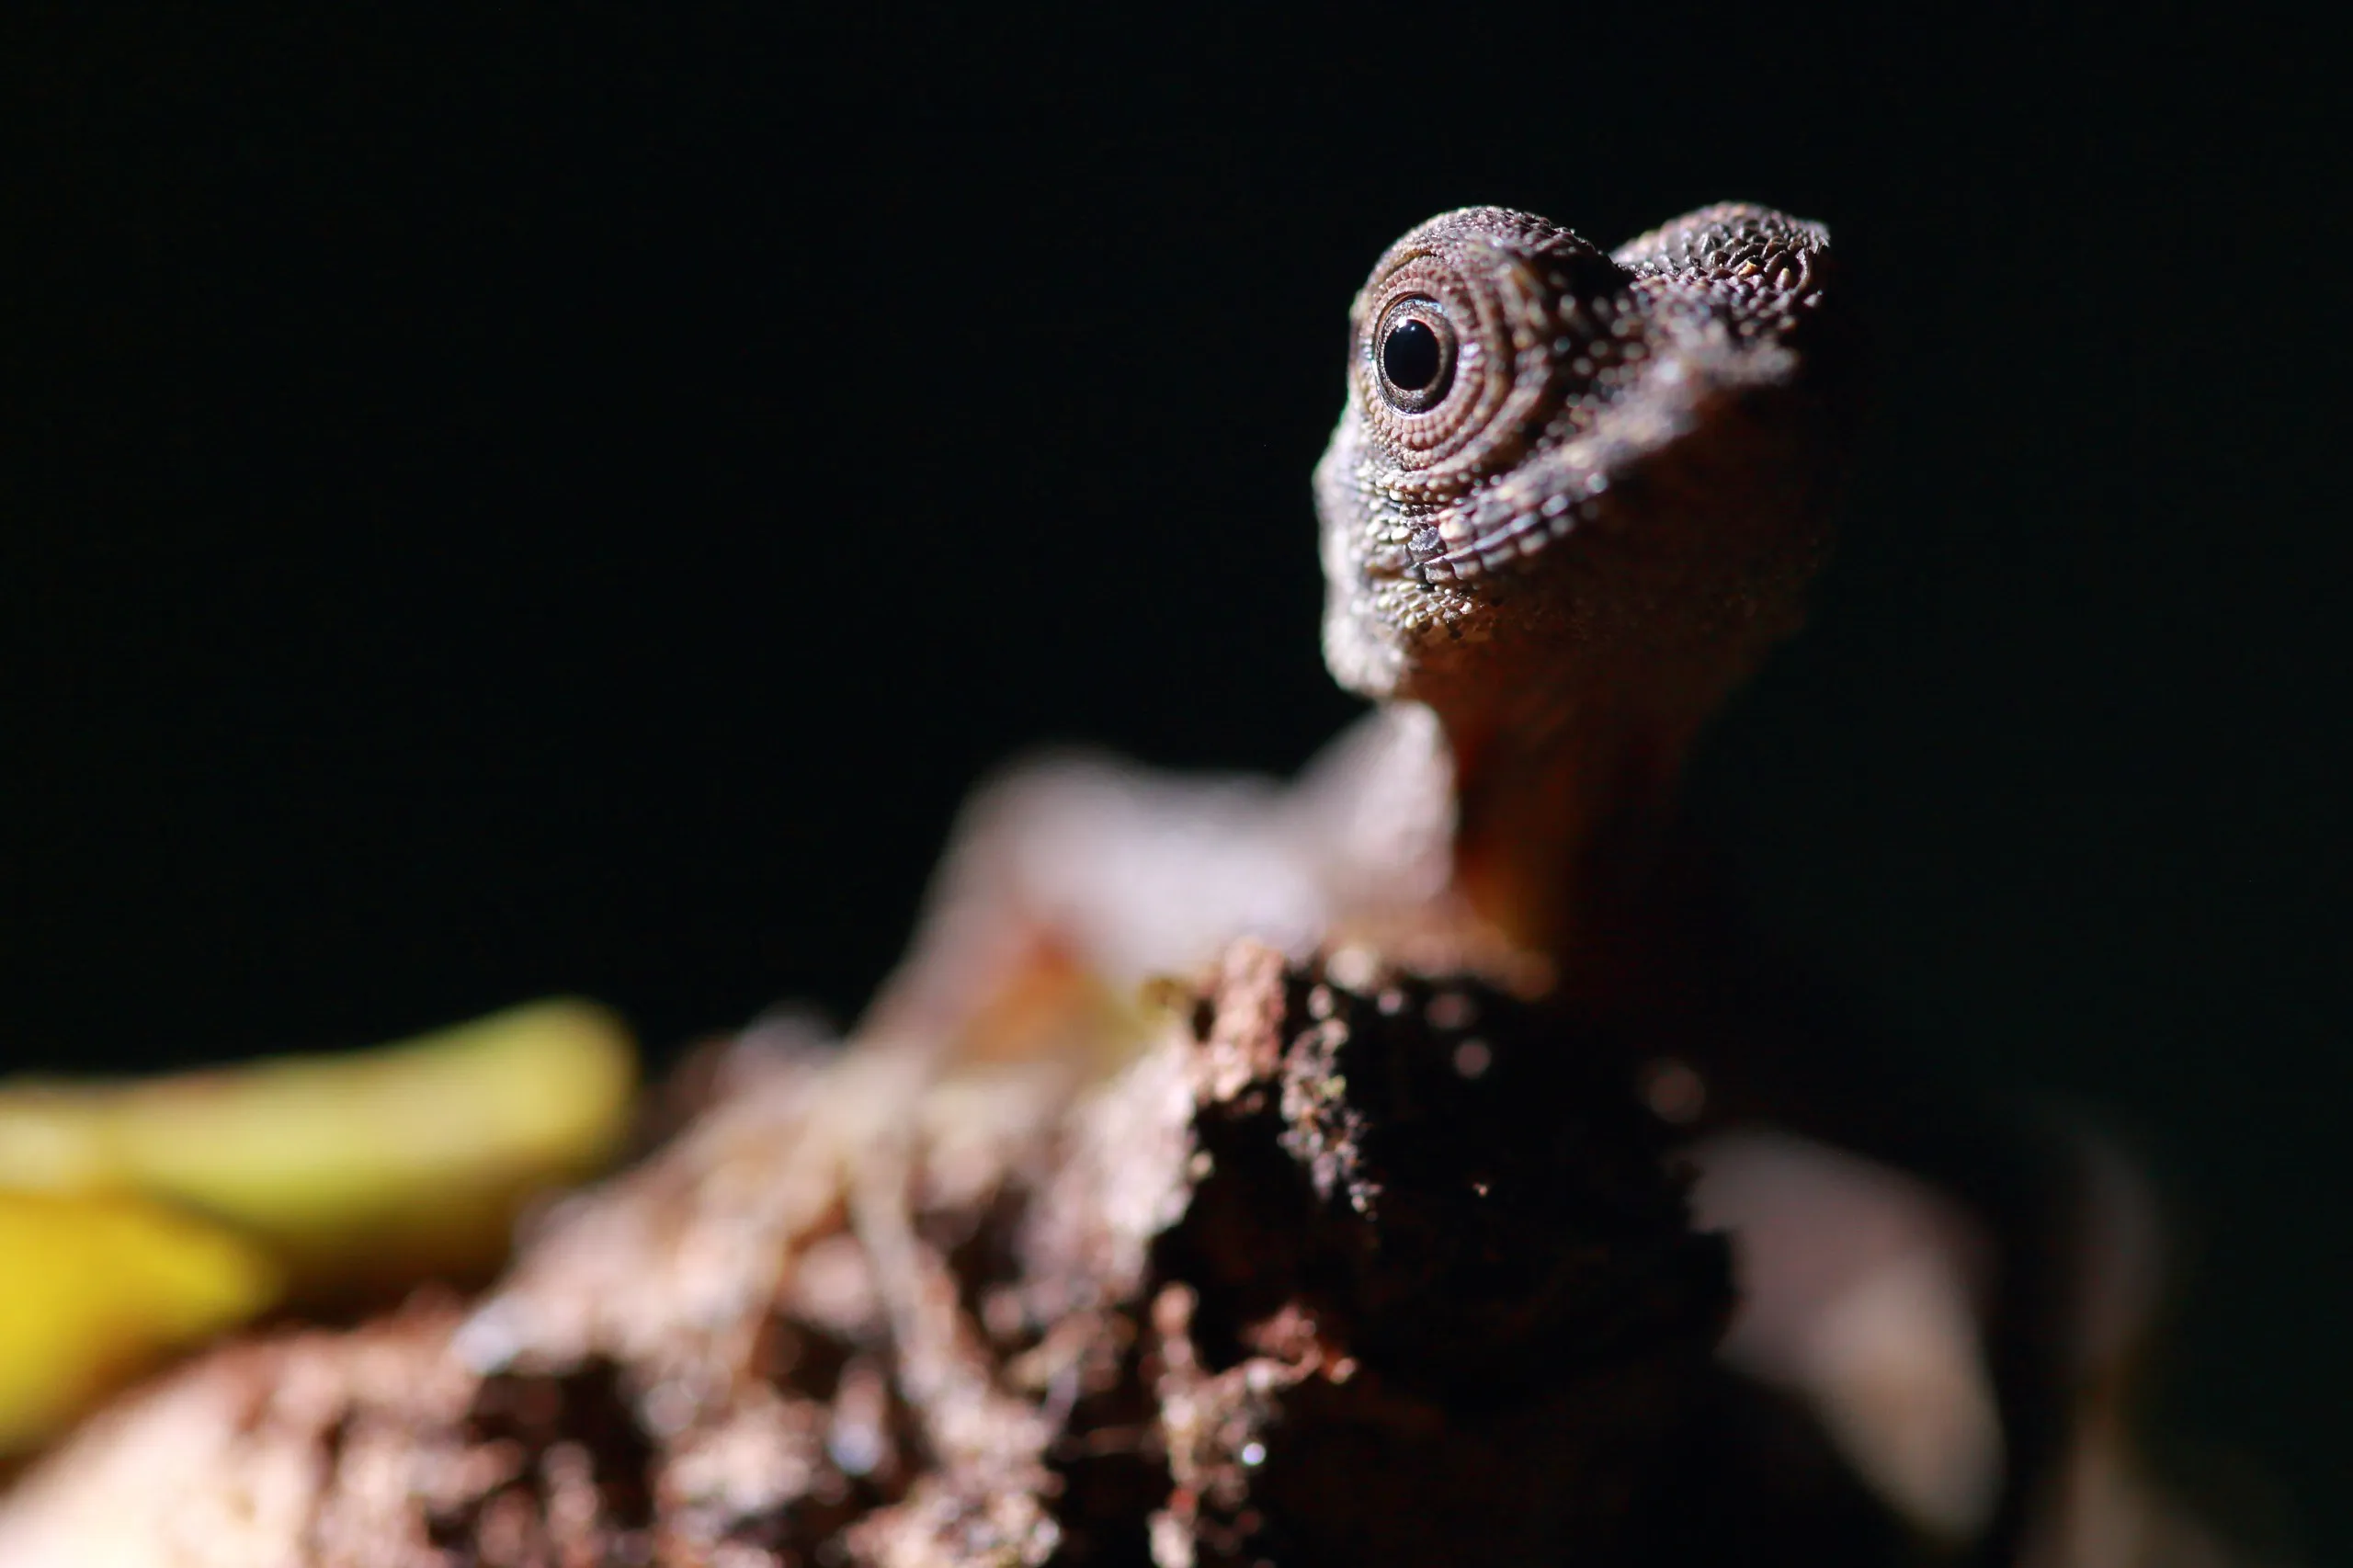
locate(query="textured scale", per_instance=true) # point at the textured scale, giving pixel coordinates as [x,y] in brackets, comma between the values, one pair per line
[1628,453]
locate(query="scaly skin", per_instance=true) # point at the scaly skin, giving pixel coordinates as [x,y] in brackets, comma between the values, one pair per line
[1585,526]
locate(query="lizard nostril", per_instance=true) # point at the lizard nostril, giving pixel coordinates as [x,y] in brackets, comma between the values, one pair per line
[1410,358]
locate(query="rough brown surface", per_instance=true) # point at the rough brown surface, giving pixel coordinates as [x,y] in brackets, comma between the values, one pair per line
[1351,1267]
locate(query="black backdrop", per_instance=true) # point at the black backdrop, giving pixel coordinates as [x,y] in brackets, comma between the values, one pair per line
[569,499]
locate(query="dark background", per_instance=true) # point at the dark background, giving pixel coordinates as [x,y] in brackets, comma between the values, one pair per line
[569,501]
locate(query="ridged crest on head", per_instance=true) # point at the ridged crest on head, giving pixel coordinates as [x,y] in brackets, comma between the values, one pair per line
[1570,451]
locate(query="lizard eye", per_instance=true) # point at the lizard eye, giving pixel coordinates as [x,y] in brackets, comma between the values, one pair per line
[1416,350]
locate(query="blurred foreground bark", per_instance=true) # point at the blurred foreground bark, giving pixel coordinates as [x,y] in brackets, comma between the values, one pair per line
[1351,1266]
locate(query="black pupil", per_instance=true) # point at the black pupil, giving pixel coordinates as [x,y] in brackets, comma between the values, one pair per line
[1409,358]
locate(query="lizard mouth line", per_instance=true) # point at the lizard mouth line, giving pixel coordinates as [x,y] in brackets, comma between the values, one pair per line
[1499,533]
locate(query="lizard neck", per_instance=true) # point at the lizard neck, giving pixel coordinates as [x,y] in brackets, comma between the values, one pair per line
[1564,825]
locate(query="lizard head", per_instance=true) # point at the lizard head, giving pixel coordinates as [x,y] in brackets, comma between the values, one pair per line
[1563,473]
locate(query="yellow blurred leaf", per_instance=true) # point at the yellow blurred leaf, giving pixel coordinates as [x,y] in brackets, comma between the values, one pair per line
[94,1288]
[360,1170]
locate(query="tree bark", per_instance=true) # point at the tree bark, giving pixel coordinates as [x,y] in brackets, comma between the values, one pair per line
[1351,1266]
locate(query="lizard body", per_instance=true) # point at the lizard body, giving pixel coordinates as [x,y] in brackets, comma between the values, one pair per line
[1573,500]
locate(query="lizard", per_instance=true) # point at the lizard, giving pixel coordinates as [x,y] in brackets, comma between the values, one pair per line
[1573,500]
[1578,521]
